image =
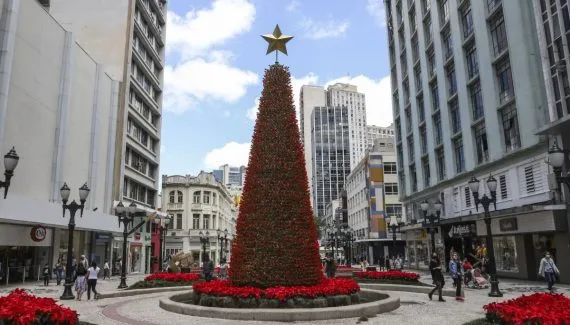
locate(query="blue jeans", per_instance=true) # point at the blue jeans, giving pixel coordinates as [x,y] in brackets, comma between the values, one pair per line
[550,279]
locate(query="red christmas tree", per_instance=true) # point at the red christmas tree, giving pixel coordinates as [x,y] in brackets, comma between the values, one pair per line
[276,242]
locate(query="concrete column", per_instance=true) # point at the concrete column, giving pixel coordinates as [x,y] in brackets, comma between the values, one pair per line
[186,244]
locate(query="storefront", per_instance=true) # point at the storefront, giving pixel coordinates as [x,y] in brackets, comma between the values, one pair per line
[418,247]
[521,240]
[460,237]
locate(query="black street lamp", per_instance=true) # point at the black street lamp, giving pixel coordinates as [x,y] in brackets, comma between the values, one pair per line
[486,201]
[205,240]
[10,162]
[394,224]
[126,216]
[349,239]
[223,240]
[556,160]
[163,228]
[73,207]
[431,219]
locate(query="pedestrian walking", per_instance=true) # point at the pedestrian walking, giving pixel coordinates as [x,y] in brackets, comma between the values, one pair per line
[330,266]
[58,272]
[456,270]
[92,273]
[45,273]
[80,280]
[437,276]
[223,273]
[388,264]
[106,271]
[548,270]
[207,268]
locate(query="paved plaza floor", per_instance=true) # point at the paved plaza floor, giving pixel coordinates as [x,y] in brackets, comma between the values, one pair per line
[415,308]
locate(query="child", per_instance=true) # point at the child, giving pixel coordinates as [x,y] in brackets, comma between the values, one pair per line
[46,274]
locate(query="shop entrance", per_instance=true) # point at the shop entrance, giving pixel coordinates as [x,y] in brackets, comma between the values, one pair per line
[21,263]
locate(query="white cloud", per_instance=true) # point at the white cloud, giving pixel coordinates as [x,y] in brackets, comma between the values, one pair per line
[292,5]
[205,72]
[232,153]
[378,97]
[199,30]
[252,112]
[376,9]
[323,29]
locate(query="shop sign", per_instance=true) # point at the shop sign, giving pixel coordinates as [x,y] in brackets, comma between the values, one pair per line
[463,230]
[38,233]
[508,224]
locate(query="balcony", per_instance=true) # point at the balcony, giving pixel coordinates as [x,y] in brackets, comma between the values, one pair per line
[150,101]
[160,9]
[150,47]
[150,74]
[175,206]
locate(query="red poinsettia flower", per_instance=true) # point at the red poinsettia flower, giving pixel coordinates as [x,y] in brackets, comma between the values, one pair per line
[389,275]
[173,277]
[21,308]
[538,308]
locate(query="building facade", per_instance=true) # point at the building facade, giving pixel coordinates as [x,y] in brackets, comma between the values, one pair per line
[374,132]
[228,175]
[199,205]
[372,196]
[462,70]
[58,109]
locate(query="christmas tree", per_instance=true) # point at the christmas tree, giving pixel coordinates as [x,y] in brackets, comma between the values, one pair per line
[276,242]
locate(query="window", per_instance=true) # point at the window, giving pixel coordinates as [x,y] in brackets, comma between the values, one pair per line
[393,210]
[510,128]
[196,196]
[476,102]
[423,140]
[408,120]
[472,62]
[434,96]
[481,143]
[426,5]
[390,168]
[440,164]
[529,179]
[443,11]
[178,221]
[432,65]
[455,117]
[195,221]
[428,33]
[498,35]
[415,49]
[492,4]
[451,82]
[171,197]
[426,172]
[447,44]
[503,187]
[438,131]
[506,251]
[467,193]
[467,22]
[418,77]
[391,188]
[413,178]
[206,221]
[459,158]
[180,196]
[214,199]
[206,197]
[411,149]
[421,110]
[505,82]
[400,155]
[413,22]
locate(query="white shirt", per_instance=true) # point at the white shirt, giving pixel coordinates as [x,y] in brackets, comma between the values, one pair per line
[92,273]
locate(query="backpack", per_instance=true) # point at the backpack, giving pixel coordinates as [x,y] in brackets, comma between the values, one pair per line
[81,269]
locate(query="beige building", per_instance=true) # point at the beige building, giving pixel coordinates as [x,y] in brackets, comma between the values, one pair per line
[58,108]
[128,36]
[199,205]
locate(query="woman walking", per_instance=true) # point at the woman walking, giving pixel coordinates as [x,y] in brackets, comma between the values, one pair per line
[80,280]
[456,270]
[92,273]
[437,276]
[548,270]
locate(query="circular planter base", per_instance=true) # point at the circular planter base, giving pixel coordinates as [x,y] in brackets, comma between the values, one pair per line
[370,303]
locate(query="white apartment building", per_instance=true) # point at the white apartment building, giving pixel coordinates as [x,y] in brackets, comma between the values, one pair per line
[130,43]
[374,132]
[58,108]
[199,204]
[338,95]
[468,95]
[372,196]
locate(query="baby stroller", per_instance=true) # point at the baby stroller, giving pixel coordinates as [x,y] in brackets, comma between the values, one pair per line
[478,280]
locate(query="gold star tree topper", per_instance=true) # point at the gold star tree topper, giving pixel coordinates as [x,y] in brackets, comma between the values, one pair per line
[277,41]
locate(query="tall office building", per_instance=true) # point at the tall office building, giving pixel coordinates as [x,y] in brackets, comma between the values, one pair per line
[128,37]
[330,146]
[374,132]
[468,93]
[337,95]
[228,175]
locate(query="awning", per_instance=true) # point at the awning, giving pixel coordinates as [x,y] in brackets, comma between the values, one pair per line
[555,128]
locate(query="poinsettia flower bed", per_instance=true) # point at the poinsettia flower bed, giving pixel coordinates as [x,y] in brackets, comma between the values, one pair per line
[536,309]
[160,280]
[22,308]
[387,276]
[330,292]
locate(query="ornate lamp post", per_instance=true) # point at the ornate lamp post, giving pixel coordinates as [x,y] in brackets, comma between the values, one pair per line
[73,207]
[223,240]
[432,219]
[163,228]
[556,160]
[486,201]
[204,239]
[10,162]
[394,224]
[126,216]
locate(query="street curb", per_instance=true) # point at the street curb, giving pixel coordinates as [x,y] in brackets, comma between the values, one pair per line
[135,292]
[405,288]
[369,309]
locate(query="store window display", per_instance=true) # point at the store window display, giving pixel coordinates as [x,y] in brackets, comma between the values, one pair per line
[506,253]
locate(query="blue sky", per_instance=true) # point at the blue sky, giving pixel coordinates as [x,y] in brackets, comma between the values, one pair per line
[216,59]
